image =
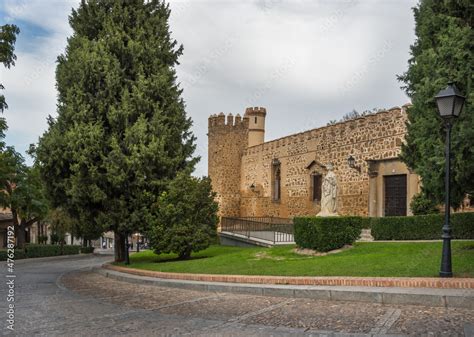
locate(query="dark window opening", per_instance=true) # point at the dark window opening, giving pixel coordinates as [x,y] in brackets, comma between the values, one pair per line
[276,195]
[255,120]
[317,183]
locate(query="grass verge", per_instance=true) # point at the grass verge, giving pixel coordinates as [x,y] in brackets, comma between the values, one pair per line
[364,259]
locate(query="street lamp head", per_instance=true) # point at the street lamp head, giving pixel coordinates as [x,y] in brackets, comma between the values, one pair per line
[450,102]
[351,161]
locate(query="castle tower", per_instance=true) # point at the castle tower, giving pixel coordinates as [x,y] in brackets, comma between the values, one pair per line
[256,118]
[227,140]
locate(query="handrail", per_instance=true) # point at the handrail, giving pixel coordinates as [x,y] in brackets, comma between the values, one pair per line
[264,228]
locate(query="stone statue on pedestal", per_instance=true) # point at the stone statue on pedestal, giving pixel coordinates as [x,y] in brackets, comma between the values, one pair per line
[329,194]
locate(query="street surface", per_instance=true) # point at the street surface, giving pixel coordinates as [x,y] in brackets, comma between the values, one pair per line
[63,298]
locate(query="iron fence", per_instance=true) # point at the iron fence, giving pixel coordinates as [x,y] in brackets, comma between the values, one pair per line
[275,230]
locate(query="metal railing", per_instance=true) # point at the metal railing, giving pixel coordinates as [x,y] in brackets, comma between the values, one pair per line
[275,230]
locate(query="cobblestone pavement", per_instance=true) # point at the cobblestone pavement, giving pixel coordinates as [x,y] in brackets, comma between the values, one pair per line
[63,298]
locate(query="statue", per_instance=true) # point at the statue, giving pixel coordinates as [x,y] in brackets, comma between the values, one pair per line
[329,194]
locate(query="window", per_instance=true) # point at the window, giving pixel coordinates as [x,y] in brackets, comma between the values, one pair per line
[276,181]
[255,120]
[316,182]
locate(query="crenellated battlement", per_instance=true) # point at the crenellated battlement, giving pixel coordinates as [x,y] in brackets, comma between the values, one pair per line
[223,122]
[256,111]
[395,117]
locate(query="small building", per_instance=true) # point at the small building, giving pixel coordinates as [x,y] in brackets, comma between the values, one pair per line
[283,177]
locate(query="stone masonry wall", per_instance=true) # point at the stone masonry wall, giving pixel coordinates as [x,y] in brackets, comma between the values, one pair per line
[373,137]
[226,144]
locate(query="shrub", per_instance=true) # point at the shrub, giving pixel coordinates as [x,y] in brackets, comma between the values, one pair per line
[71,249]
[42,239]
[19,254]
[35,250]
[38,250]
[421,205]
[185,217]
[422,227]
[54,238]
[327,233]
[87,250]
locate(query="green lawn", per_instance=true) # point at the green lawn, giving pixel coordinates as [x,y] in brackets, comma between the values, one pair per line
[365,259]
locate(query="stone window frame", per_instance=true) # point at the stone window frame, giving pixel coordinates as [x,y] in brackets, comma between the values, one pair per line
[315,169]
[312,190]
[276,184]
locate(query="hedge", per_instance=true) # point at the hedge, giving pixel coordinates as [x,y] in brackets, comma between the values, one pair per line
[36,250]
[87,250]
[327,233]
[422,227]
[19,254]
[40,250]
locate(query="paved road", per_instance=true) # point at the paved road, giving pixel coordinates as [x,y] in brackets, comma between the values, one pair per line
[63,298]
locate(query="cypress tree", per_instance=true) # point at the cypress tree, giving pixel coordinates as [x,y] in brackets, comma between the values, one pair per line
[442,52]
[122,132]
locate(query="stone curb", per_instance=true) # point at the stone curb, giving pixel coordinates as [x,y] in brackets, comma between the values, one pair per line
[449,298]
[48,258]
[401,282]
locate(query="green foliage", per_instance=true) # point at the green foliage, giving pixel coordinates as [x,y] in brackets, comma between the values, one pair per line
[21,191]
[54,238]
[87,250]
[185,217]
[422,227]
[327,233]
[19,254]
[42,239]
[122,132]
[442,52]
[8,35]
[43,250]
[35,250]
[421,205]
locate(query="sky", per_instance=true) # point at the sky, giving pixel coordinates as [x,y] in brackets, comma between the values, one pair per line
[306,62]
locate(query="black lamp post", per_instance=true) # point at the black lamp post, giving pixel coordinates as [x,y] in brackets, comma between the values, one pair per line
[450,103]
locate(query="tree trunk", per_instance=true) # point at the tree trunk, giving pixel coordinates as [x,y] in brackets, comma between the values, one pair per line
[21,235]
[119,247]
[186,254]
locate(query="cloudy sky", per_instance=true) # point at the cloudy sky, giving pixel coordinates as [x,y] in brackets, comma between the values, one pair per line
[307,62]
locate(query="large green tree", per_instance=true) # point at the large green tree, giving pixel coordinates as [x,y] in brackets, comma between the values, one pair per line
[21,190]
[8,35]
[443,52]
[121,133]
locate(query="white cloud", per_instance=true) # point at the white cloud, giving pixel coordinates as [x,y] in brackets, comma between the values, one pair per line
[306,61]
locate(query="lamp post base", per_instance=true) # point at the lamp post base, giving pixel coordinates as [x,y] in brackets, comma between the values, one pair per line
[445,274]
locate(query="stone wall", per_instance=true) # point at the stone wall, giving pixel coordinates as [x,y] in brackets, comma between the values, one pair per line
[373,137]
[227,141]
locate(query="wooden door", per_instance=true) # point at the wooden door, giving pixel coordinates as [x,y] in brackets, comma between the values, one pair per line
[395,188]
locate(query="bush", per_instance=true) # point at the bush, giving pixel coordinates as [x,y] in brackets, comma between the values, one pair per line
[35,250]
[87,250]
[422,227]
[71,249]
[42,239]
[421,205]
[185,217]
[327,233]
[19,254]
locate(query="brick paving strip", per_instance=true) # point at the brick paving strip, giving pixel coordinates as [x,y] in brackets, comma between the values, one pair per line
[401,282]
[434,297]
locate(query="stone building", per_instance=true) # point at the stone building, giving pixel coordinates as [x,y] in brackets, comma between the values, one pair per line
[283,177]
